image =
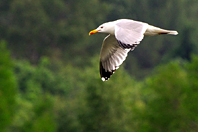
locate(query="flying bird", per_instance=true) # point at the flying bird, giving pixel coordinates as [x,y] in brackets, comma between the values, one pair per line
[123,36]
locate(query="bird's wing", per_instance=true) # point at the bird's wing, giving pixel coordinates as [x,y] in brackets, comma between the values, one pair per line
[129,33]
[111,57]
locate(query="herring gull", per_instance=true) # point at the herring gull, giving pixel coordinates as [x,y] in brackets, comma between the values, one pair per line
[123,36]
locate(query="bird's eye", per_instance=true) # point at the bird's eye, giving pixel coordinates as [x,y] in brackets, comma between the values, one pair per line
[101,27]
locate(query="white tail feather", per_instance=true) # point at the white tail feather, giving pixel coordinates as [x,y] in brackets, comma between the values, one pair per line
[173,32]
[151,30]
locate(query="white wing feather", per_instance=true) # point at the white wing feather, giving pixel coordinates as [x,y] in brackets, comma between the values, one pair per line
[130,32]
[111,56]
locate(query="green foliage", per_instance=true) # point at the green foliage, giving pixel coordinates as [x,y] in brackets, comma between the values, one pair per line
[49,98]
[43,119]
[105,106]
[35,102]
[40,27]
[45,96]
[7,88]
[39,79]
[169,96]
[164,108]
[56,68]
[191,108]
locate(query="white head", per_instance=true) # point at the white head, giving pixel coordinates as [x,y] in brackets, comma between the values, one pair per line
[108,27]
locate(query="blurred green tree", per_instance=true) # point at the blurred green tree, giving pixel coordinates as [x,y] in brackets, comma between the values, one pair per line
[52,88]
[43,119]
[37,28]
[165,105]
[170,99]
[8,89]
[190,106]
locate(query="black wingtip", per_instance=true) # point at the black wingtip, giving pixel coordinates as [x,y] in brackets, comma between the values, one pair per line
[105,75]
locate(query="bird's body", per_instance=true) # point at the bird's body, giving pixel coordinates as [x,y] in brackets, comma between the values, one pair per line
[124,35]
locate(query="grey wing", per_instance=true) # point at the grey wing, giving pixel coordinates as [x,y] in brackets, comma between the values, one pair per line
[111,57]
[129,33]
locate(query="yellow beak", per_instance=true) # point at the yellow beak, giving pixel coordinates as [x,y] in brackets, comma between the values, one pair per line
[93,31]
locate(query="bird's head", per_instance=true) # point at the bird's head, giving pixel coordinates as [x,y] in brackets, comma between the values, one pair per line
[104,28]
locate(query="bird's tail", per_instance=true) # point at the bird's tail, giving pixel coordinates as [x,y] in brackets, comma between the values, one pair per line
[151,30]
[172,32]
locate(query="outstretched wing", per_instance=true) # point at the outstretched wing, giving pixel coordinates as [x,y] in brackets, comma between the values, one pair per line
[111,57]
[129,33]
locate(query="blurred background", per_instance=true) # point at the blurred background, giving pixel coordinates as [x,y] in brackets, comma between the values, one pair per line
[49,68]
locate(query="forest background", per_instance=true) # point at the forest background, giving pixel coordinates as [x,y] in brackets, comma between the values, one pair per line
[49,68]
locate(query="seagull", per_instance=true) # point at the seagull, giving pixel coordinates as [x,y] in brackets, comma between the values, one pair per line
[123,36]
